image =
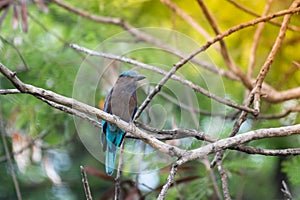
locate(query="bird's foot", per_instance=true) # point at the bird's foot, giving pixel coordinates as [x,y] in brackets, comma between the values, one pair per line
[116,118]
[132,127]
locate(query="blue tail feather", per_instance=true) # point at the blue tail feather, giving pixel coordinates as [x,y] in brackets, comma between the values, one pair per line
[114,138]
[110,161]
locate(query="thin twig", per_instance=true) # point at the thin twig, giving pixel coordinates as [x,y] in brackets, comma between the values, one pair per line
[119,173]
[215,184]
[169,98]
[274,96]
[183,133]
[286,193]
[256,92]
[176,133]
[82,13]
[17,50]
[82,107]
[9,91]
[297,64]
[236,127]
[184,155]
[85,184]
[162,82]
[280,115]
[186,17]
[160,71]
[8,157]
[241,138]
[247,10]
[184,106]
[267,152]
[170,180]
[224,51]
[224,180]
[143,37]
[71,111]
[257,34]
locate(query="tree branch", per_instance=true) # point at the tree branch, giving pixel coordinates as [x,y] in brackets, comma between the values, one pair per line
[256,92]
[170,180]
[9,91]
[268,152]
[163,81]
[160,71]
[187,18]
[119,173]
[239,139]
[183,155]
[224,51]
[224,180]
[273,95]
[79,106]
[17,50]
[85,184]
[246,10]
[257,34]
[287,194]
[143,37]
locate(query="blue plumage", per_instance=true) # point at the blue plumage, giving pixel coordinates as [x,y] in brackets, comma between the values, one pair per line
[121,101]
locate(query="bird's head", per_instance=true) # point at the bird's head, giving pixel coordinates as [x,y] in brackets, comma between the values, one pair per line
[133,75]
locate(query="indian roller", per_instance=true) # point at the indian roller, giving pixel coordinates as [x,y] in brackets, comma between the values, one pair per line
[122,102]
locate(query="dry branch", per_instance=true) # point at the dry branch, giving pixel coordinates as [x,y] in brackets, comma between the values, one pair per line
[151,140]
[247,10]
[170,180]
[81,107]
[186,17]
[85,184]
[160,71]
[273,95]
[257,35]
[182,155]
[256,92]
[224,180]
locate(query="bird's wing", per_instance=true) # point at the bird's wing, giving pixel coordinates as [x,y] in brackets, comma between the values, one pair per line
[107,103]
[133,105]
[107,108]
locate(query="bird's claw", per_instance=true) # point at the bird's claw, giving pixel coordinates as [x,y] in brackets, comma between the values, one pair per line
[116,118]
[132,127]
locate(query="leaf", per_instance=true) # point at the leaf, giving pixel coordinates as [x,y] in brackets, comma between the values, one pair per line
[292,168]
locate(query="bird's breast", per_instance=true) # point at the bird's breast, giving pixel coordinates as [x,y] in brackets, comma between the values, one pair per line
[123,103]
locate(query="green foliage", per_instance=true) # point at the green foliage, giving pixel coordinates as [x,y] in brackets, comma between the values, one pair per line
[291,167]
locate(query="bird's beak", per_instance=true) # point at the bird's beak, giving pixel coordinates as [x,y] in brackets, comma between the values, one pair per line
[139,77]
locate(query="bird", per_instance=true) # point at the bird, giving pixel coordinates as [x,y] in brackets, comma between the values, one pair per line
[122,102]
